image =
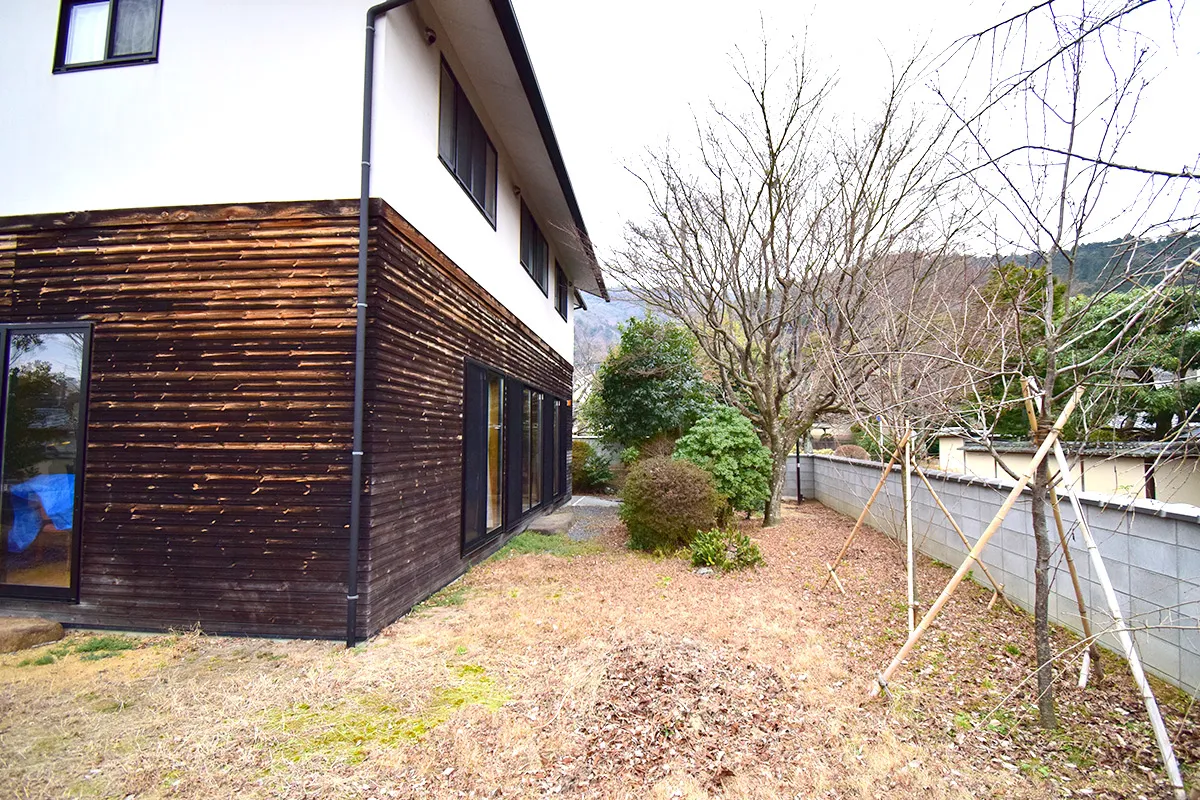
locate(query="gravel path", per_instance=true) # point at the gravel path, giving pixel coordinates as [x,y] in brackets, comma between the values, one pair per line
[593,516]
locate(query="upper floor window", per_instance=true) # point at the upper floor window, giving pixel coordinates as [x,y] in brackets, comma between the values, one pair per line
[535,253]
[106,33]
[561,290]
[464,147]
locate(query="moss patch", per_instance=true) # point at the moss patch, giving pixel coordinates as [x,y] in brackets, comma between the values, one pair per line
[554,544]
[347,732]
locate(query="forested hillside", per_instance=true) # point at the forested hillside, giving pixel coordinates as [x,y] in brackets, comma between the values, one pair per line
[1100,263]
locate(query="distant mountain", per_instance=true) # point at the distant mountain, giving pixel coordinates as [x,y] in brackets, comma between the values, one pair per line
[596,329]
[1101,264]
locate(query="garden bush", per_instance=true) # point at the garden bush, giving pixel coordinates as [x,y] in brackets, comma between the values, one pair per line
[666,502]
[725,550]
[589,470]
[660,446]
[724,443]
[853,451]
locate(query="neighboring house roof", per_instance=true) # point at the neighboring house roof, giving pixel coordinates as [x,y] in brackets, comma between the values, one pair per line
[533,146]
[1181,448]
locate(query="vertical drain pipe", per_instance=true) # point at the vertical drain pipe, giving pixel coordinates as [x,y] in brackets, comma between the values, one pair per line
[360,324]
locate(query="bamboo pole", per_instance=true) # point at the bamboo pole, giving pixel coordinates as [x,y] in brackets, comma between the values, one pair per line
[1092,652]
[973,556]
[862,516]
[909,554]
[1123,635]
[966,542]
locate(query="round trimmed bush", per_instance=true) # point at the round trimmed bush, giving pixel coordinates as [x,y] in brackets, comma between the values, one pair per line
[852,451]
[666,502]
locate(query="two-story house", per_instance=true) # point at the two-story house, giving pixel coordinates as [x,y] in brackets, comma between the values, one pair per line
[286,301]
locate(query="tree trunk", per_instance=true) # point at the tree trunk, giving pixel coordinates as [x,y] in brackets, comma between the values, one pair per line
[1041,600]
[773,514]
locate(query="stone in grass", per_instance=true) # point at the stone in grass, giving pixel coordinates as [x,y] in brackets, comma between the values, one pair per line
[19,633]
[558,522]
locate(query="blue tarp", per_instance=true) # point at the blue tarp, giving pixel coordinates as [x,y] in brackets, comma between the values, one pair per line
[57,496]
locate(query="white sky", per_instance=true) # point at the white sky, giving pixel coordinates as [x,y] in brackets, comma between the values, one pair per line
[624,75]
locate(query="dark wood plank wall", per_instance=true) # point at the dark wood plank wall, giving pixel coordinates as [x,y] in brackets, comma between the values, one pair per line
[217,469]
[426,318]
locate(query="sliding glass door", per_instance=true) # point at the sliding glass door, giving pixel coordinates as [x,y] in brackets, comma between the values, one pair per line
[483,462]
[514,452]
[531,462]
[44,410]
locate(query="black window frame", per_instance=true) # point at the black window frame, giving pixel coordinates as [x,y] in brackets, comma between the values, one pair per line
[555,440]
[562,291]
[478,377]
[535,250]
[70,593]
[458,112]
[60,47]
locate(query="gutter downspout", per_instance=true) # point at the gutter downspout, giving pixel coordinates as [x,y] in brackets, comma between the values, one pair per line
[360,325]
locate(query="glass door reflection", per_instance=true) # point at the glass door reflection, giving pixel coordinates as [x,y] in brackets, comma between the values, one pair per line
[43,396]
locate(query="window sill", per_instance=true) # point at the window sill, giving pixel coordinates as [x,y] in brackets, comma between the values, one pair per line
[467,192]
[116,62]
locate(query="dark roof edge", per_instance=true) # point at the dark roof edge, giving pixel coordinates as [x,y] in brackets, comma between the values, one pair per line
[506,16]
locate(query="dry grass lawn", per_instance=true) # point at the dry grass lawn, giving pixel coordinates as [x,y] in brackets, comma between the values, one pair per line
[602,674]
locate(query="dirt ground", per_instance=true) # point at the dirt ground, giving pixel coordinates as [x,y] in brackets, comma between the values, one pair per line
[594,672]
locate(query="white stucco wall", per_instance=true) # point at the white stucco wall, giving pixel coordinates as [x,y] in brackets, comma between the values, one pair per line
[248,102]
[251,102]
[950,454]
[408,174]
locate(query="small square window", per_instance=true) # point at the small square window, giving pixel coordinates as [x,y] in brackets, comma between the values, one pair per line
[107,33]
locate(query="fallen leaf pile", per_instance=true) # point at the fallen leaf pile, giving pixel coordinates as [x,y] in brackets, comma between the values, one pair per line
[682,708]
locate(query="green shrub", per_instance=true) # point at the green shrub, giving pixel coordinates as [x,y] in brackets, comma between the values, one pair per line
[589,470]
[708,549]
[745,551]
[629,455]
[666,502]
[725,550]
[724,443]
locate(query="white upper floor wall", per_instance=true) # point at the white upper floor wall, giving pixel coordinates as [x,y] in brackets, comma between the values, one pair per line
[262,101]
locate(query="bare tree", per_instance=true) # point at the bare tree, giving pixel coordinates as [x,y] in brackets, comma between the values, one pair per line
[1061,88]
[765,242]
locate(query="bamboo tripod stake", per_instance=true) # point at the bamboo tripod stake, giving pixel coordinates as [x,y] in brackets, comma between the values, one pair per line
[861,517]
[973,556]
[909,554]
[1092,651]
[966,542]
[1161,736]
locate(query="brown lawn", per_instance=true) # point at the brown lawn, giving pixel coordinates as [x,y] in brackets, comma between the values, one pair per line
[608,674]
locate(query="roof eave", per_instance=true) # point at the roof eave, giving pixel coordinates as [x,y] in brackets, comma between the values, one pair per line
[507,18]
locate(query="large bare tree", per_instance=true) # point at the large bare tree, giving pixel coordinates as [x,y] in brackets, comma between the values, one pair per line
[766,237]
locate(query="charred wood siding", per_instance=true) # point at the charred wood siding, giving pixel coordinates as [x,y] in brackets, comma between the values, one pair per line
[218,434]
[426,317]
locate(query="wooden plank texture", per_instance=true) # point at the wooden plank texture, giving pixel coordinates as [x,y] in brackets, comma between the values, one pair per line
[216,486]
[218,435]
[426,317]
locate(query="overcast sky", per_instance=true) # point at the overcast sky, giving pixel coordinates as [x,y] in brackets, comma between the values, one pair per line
[624,75]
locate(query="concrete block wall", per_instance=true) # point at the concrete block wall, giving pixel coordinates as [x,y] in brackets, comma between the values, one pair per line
[1151,551]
